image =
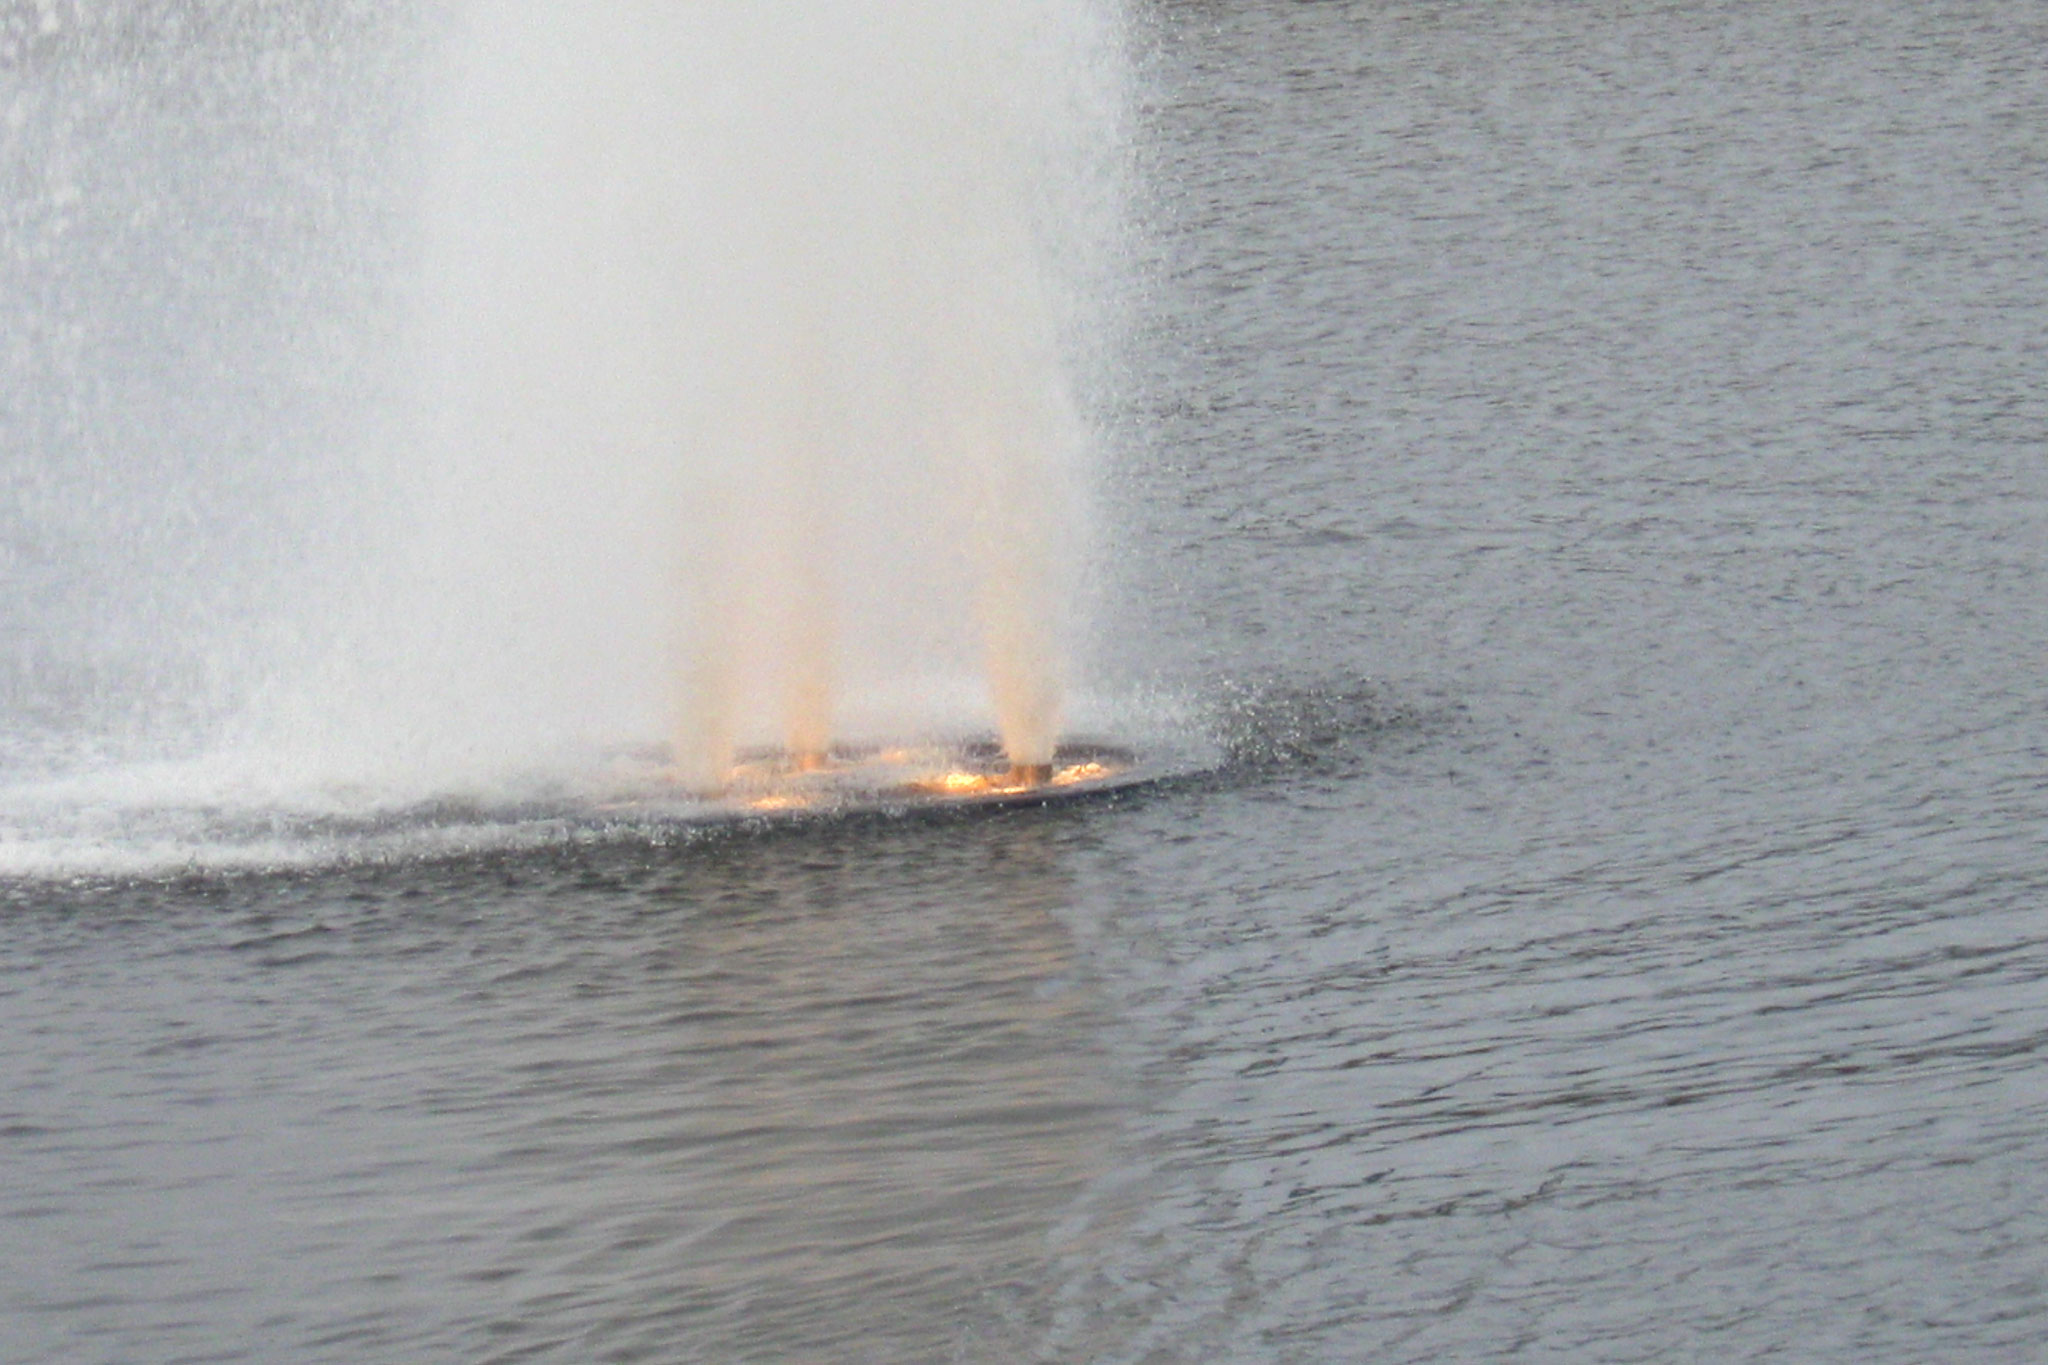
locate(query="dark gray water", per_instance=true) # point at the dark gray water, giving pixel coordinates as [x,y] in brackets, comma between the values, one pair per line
[1590,463]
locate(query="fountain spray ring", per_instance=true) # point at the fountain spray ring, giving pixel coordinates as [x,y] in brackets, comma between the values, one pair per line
[771,782]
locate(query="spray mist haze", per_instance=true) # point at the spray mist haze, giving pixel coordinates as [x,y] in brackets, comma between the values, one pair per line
[746,413]
[410,401]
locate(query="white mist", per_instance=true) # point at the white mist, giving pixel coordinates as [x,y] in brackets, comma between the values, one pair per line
[745,362]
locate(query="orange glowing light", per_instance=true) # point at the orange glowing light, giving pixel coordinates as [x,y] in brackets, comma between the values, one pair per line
[956,783]
[770,782]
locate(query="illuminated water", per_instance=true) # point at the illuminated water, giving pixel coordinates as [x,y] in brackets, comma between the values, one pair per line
[1587,470]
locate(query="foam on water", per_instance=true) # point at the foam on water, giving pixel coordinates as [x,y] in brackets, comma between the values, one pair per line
[235,810]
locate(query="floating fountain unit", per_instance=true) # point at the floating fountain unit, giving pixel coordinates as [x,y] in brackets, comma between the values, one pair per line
[767,782]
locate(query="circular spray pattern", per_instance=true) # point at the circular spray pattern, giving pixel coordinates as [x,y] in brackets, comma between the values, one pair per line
[776,782]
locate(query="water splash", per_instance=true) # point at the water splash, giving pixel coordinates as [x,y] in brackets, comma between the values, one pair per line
[762,313]
[605,373]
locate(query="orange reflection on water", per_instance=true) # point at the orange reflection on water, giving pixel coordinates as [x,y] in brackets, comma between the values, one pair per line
[774,783]
[962,782]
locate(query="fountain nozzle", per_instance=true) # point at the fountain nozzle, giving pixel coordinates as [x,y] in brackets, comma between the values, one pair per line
[1028,775]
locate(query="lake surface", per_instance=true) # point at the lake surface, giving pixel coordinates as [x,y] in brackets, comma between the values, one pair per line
[1587,468]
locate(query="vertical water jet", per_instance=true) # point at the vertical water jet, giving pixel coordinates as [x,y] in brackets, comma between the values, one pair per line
[776,308]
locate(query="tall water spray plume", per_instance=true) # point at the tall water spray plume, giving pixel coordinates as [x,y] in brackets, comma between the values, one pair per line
[775,311]
[409,398]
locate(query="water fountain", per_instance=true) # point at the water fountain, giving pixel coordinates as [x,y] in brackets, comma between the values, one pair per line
[708,372]
[808,273]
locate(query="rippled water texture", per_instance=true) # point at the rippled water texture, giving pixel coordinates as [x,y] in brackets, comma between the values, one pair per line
[1592,463]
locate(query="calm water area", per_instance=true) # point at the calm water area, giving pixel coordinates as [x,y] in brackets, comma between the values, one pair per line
[1587,467]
